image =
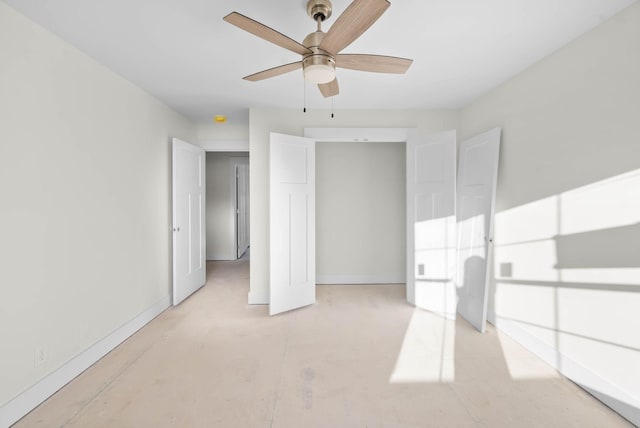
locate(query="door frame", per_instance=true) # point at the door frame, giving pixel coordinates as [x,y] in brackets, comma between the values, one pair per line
[239,146]
[373,135]
[209,146]
[369,135]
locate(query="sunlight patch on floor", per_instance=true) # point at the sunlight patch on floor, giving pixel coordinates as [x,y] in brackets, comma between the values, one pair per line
[427,352]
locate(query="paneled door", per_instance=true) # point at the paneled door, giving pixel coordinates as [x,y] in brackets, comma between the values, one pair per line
[292,223]
[477,178]
[431,221]
[188,193]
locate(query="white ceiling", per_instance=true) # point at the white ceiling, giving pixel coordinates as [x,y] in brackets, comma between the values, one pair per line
[182,51]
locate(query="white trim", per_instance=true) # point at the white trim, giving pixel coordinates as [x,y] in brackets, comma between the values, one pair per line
[361,279]
[372,135]
[610,394]
[225,146]
[233,248]
[19,406]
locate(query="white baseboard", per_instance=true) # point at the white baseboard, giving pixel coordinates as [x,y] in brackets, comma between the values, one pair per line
[360,279]
[220,257]
[262,298]
[611,395]
[18,407]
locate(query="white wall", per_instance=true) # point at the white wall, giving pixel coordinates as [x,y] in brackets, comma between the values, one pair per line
[293,121]
[85,201]
[360,212]
[229,131]
[572,120]
[221,241]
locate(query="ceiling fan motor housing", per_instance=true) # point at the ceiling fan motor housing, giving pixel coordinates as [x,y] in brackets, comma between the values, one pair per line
[319,9]
[312,41]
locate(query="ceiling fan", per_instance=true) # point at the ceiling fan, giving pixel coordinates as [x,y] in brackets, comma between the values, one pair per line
[321,51]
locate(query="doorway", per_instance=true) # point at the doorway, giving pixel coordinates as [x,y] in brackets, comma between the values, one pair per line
[227,205]
[360,213]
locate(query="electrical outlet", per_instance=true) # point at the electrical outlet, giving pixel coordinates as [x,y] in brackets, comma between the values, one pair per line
[40,356]
[506,270]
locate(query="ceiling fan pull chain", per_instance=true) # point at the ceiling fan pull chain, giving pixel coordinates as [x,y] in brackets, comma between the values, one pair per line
[304,96]
[332,107]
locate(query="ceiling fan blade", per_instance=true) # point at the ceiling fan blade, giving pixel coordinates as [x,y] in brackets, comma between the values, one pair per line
[266,33]
[354,21]
[275,71]
[329,89]
[375,63]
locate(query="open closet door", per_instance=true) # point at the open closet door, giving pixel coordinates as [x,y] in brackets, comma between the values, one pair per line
[477,178]
[188,193]
[292,223]
[431,221]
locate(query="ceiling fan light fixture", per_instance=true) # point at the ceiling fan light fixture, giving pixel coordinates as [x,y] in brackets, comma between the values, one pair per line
[320,50]
[319,74]
[319,69]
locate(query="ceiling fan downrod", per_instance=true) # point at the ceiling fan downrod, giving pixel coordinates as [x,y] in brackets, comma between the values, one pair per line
[319,66]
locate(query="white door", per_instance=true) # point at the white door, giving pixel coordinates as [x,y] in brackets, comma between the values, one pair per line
[188,173]
[477,178]
[242,208]
[292,223]
[431,221]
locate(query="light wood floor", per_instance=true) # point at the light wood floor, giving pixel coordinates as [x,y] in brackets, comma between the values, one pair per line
[360,357]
